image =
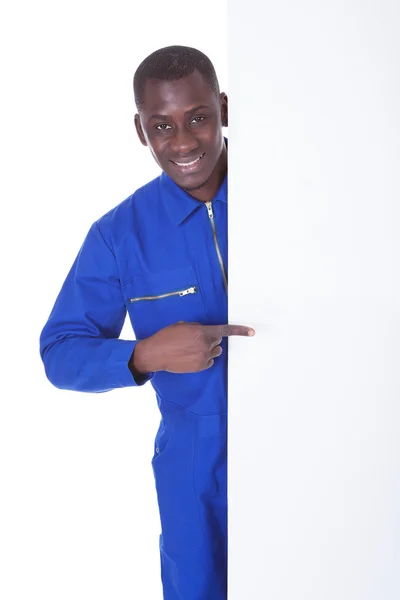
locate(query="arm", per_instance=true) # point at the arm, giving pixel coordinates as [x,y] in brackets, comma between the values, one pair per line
[79,344]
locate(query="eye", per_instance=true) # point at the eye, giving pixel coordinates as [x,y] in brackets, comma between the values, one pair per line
[161,125]
[202,119]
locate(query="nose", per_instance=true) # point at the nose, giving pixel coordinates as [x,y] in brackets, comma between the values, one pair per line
[183,142]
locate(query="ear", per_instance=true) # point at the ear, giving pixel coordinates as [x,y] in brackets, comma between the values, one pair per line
[224,109]
[139,130]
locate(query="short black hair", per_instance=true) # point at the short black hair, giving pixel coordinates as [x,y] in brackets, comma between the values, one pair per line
[172,63]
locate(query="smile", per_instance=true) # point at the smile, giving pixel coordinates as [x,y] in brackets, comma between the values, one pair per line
[189,165]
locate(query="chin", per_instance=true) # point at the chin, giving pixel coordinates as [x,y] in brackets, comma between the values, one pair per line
[193,185]
[187,181]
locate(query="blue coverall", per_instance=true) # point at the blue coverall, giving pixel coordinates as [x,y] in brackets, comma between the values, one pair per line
[161,256]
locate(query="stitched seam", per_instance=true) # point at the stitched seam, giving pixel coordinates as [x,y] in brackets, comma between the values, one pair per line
[190,412]
[102,237]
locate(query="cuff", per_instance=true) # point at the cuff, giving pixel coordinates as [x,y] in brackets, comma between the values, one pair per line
[123,353]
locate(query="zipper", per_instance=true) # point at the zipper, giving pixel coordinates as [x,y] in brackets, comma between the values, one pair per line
[221,262]
[191,290]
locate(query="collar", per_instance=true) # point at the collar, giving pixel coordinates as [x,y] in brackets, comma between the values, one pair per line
[180,204]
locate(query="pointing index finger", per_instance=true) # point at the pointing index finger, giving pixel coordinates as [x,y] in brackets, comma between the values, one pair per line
[229,330]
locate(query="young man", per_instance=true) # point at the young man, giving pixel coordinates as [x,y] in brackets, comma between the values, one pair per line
[161,256]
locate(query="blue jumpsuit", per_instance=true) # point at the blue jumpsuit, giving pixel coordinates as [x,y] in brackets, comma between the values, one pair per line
[161,256]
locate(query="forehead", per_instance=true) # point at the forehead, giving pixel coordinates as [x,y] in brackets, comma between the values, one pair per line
[167,97]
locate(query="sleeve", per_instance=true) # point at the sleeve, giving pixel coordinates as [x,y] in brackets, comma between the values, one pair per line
[79,344]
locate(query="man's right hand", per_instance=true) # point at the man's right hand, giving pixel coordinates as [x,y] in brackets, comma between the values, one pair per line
[183,347]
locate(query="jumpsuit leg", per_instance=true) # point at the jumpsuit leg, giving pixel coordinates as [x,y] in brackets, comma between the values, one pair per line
[191,483]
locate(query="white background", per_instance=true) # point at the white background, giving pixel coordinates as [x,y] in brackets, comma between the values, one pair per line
[314,253]
[314,218]
[79,517]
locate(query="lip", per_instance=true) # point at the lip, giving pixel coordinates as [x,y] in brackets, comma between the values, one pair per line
[189,168]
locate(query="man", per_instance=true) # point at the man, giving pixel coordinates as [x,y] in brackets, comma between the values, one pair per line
[161,256]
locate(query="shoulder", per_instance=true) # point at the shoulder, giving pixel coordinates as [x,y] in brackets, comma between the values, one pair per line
[139,201]
[126,215]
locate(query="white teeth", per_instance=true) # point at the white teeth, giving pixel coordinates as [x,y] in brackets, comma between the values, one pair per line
[188,164]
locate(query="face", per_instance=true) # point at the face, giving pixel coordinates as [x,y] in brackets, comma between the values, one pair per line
[181,122]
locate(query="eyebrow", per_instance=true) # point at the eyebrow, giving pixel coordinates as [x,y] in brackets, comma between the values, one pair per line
[188,112]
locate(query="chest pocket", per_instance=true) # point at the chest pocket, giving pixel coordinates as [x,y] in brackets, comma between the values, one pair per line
[156,300]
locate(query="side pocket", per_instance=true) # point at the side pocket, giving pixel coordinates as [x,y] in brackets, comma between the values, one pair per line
[173,474]
[162,438]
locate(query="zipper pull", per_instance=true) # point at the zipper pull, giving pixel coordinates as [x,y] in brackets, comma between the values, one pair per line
[191,290]
[210,210]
